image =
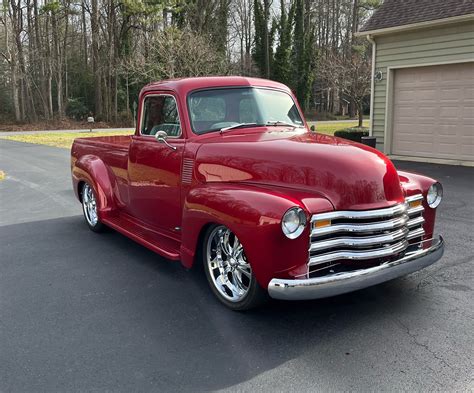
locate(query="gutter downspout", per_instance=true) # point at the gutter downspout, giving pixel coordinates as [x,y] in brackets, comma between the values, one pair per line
[372,84]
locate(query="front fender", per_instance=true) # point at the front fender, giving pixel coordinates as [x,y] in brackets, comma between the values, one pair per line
[92,169]
[254,214]
[414,183]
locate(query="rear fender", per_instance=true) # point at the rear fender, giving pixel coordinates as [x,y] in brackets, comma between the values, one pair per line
[92,169]
[254,214]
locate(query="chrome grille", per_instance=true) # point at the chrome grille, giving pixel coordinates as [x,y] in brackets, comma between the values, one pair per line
[364,235]
[415,215]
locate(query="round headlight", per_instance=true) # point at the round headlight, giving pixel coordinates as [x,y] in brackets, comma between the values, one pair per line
[434,196]
[293,222]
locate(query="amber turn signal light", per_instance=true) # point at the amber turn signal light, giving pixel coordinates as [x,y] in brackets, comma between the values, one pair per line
[322,223]
[415,203]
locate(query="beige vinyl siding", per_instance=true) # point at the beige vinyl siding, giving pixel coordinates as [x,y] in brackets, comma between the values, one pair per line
[448,44]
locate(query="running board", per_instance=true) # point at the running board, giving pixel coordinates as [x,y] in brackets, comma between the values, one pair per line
[145,236]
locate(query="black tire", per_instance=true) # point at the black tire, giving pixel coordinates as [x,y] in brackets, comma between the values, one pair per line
[88,195]
[254,296]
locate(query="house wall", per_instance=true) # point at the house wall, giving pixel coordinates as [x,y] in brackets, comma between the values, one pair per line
[430,46]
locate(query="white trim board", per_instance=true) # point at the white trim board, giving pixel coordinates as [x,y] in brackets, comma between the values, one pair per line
[372,84]
[415,26]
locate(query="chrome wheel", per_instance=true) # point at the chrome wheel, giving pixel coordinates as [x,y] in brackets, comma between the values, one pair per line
[228,268]
[89,205]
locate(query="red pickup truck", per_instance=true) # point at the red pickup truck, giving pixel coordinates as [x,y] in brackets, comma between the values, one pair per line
[224,172]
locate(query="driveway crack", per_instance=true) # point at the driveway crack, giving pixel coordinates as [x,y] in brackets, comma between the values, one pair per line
[414,338]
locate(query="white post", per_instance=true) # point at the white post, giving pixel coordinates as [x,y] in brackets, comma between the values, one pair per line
[90,120]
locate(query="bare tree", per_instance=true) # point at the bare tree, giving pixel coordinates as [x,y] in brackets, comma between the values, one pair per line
[176,53]
[242,24]
[351,75]
[10,58]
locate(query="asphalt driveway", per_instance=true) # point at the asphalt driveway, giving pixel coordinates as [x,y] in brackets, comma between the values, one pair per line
[86,312]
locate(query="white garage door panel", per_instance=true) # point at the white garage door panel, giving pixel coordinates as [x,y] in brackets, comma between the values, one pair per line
[433,112]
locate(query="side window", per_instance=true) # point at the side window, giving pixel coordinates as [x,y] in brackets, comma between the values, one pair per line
[294,115]
[160,113]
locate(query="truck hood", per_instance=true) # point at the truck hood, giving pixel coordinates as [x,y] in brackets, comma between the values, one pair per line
[350,175]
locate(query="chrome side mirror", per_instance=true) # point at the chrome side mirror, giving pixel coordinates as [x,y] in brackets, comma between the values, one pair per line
[162,136]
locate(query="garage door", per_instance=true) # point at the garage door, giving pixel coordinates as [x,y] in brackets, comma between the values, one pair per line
[433,112]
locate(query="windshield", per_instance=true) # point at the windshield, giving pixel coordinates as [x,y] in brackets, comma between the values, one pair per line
[217,109]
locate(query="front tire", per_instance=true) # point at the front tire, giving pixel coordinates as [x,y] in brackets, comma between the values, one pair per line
[89,208]
[228,272]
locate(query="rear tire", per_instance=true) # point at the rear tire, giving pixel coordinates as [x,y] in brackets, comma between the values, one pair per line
[228,272]
[89,208]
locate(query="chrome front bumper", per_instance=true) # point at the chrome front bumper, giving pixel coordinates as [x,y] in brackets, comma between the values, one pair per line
[339,283]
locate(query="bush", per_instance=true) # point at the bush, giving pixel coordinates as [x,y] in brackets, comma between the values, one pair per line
[76,109]
[125,118]
[354,134]
[314,115]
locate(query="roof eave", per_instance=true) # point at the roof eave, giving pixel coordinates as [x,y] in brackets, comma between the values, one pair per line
[416,26]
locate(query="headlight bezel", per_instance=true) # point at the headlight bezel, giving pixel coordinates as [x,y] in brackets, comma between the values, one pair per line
[434,195]
[294,212]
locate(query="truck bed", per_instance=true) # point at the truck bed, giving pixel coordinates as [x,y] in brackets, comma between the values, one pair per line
[116,141]
[112,150]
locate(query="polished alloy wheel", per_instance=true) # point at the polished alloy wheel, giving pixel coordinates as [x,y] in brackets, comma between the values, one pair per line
[229,270]
[89,205]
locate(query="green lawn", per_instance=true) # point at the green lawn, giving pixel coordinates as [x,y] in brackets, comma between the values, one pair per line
[330,128]
[61,139]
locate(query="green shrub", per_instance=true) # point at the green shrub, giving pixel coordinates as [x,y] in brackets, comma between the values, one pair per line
[125,118]
[76,109]
[354,134]
[314,115]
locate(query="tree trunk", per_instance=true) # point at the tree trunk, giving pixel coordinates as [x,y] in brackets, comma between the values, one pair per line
[32,71]
[15,92]
[355,19]
[84,32]
[242,64]
[58,74]
[352,108]
[41,60]
[266,37]
[65,93]
[127,96]
[95,59]
[49,67]
[18,62]
[10,58]
[361,113]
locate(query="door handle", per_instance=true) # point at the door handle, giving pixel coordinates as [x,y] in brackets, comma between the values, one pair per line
[162,136]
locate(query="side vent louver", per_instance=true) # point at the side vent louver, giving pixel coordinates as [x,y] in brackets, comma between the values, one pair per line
[187,175]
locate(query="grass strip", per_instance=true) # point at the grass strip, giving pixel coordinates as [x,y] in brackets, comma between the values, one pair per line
[331,128]
[61,139]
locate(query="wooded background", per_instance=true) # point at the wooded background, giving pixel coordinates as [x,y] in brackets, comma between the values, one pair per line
[77,58]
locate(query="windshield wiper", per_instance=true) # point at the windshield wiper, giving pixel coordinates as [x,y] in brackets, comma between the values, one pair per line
[240,125]
[282,123]
[268,123]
